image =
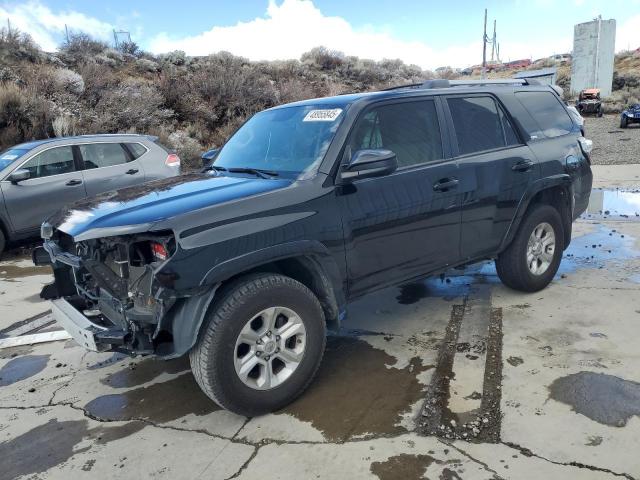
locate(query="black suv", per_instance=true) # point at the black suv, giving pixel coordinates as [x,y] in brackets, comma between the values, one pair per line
[309,205]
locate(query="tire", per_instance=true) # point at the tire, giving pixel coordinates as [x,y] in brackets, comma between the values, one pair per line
[600,112]
[216,354]
[512,264]
[624,121]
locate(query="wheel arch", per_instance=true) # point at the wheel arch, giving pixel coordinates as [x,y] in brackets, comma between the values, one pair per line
[555,191]
[308,262]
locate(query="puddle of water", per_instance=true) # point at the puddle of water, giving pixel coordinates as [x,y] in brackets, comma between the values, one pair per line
[21,368]
[455,285]
[623,203]
[603,398]
[402,467]
[54,443]
[42,448]
[594,249]
[160,402]
[139,373]
[355,393]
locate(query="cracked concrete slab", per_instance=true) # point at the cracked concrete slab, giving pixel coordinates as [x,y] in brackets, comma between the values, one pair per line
[68,413]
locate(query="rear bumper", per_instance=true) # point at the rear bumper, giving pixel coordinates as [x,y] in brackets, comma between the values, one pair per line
[82,329]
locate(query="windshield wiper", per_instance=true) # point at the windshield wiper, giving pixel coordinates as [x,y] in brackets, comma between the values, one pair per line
[217,168]
[255,171]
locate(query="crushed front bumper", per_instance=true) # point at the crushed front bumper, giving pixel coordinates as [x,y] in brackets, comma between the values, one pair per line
[82,329]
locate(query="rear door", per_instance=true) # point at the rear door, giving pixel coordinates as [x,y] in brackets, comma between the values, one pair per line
[405,224]
[109,166]
[54,183]
[496,168]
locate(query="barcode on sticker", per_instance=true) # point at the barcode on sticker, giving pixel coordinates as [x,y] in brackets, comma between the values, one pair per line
[322,115]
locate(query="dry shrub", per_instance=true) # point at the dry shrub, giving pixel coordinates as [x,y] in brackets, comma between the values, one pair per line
[23,116]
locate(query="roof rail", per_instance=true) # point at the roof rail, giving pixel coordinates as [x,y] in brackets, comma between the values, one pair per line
[443,83]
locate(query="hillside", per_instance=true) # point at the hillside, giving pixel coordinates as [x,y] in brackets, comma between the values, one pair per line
[191,103]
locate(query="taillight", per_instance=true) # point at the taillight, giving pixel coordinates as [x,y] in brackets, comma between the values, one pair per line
[159,251]
[172,160]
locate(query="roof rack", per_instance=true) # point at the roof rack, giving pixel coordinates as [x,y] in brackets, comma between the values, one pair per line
[442,83]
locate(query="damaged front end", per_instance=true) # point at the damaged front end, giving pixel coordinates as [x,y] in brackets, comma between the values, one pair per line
[112,293]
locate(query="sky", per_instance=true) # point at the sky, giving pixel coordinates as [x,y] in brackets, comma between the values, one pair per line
[426,33]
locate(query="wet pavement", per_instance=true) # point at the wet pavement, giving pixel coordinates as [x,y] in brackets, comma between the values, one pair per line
[454,378]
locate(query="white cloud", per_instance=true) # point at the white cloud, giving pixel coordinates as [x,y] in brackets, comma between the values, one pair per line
[295,26]
[47,27]
[627,34]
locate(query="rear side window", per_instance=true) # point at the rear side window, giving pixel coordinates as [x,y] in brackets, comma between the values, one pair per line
[54,161]
[480,125]
[136,149]
[547,111]
[409,129]
[98,155]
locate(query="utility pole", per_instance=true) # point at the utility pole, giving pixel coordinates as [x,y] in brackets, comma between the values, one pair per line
[66,31]
[484,47]
[493,43]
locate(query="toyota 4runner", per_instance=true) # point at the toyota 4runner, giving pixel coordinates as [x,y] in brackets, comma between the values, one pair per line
[245,265]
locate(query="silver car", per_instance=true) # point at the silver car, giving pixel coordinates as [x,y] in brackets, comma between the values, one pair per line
[38,178]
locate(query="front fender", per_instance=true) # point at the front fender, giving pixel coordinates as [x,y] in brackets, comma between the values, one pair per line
[561,180]
[187,316]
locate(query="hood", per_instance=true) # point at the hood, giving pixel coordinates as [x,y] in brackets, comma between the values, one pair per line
[137,209]
[634,108]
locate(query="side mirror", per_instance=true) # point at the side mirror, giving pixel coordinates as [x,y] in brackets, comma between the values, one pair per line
[209,156]
[19,175]
[369,163]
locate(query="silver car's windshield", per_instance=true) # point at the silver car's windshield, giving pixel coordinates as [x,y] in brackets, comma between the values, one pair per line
[287,140]
[11,155]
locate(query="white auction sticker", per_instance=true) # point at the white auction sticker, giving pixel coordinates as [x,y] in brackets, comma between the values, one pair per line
[322,115]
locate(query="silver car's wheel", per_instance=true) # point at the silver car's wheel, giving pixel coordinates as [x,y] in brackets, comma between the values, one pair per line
[270,348]
[541,248]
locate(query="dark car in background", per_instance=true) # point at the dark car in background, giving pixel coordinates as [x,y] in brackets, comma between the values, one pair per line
[40,177]
[630,115]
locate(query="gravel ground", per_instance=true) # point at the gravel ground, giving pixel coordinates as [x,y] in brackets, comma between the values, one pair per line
[613,145]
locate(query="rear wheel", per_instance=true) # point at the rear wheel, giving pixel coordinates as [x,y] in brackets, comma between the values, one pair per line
[261,345]
[532,259]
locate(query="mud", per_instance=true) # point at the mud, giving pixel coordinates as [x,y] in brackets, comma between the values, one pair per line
[140,373]
[356,393]
[515,361]
[482,424]
[13,352]
[42,448]
[11,272]
[115,358]
[402,467]
[603,398]
[159,403]
[21,368]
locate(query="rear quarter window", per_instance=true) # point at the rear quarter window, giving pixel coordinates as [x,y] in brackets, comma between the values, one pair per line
[136,149]
[547,111]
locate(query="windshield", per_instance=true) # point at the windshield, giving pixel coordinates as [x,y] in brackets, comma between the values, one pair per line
[287,140]
[9,156]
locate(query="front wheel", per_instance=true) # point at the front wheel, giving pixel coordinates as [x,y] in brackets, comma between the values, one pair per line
[624,121]
[532,259]
[261,345]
